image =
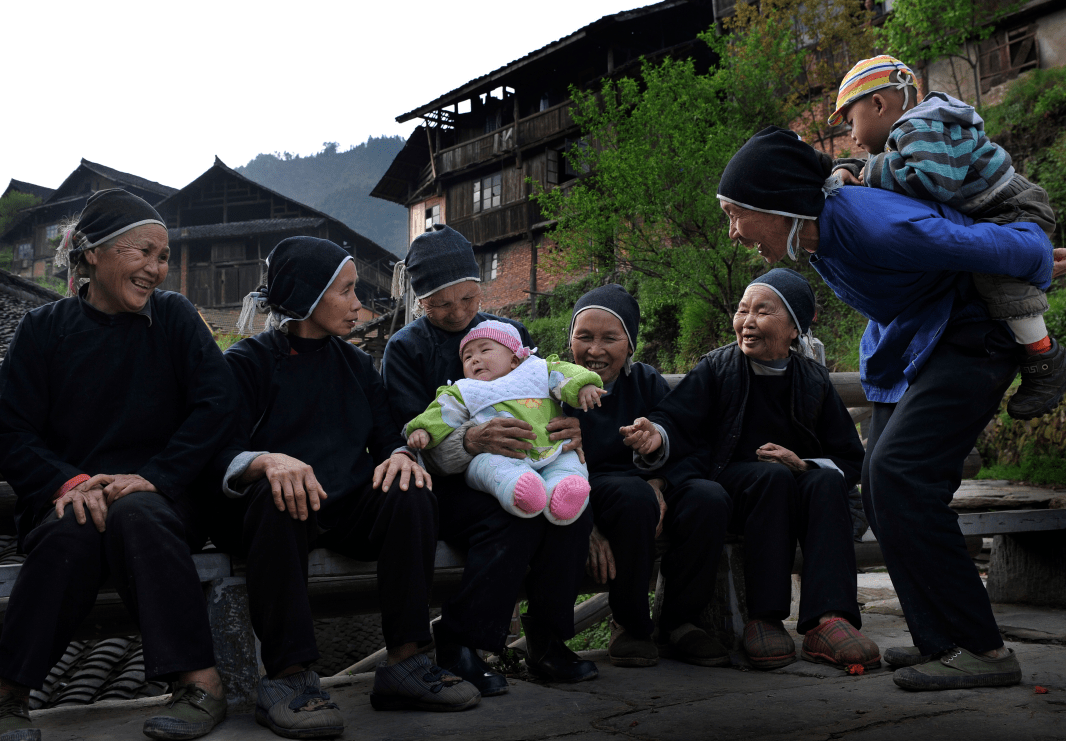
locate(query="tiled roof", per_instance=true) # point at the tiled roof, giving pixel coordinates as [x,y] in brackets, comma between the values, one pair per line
[124,177]
[23,187]
[246,228]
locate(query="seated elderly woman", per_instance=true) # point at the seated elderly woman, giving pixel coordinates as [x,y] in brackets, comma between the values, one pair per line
[501,547]
[765,423]
[632,505]
[931,360]
[318,462]
[111,401]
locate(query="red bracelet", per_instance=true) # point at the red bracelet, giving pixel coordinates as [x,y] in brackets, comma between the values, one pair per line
[81,478]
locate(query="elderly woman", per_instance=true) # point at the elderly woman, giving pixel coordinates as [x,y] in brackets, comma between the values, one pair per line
[500,546]
[765,423]
[630,508]
[932,362]
[111,401]
[318,462]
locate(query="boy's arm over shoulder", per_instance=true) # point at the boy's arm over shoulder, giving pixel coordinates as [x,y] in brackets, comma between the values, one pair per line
[922,161]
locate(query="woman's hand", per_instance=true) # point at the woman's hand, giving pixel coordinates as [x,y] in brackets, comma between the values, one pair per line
[292,483]
[566,428]
[418,439]
[642,436]
[589,396]
[771,453]
[88,494]
[657,486]
[1060,262]
[847,178]
[403,466]
[505,436]
[600,565]
[126,483]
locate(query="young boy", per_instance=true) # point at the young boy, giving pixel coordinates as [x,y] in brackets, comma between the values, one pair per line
[936,149]
[503,379]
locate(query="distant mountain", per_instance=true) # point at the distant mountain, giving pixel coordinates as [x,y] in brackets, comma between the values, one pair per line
[339,184]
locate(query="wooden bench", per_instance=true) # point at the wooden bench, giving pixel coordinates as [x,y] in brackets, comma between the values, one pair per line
[341,586]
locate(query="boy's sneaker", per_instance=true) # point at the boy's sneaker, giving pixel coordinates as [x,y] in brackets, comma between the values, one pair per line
[296,707]
[416,684]
[15,722]
[1043,384]
[958,669]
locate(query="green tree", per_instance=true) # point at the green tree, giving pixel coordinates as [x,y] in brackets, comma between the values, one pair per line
[927,30]
[9,208]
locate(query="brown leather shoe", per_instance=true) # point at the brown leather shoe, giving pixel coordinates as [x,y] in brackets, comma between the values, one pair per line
[625,650]
[768,644]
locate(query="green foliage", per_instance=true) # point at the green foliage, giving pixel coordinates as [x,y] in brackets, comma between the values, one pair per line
[551,335]
[339,184]
[1055,318]
[1048,168]
[927,30]
[52,283]
[226,341]
[1041,469]
[10,206]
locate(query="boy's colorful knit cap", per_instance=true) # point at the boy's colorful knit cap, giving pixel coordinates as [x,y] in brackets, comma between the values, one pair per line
[870,75]
[500,332]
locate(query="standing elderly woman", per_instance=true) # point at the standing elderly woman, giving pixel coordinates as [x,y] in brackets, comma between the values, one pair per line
[318,462]
[500,546]
[111,402]
[932,362]
[632,505]
[765,423]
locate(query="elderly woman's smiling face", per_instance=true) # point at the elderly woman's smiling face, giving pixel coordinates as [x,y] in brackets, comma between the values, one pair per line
[599,343]
[123,275]
[767,233]
[453,308]
[763,325]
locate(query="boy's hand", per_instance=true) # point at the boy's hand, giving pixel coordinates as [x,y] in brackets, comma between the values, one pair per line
[1060,262]
[846,177]
[418,439]
[589,396]
[642,436]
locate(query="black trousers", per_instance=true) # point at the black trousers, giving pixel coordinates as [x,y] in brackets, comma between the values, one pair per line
[398,529]
[146,550]
[500,549]
[914,457]
[626,512]
[774,509]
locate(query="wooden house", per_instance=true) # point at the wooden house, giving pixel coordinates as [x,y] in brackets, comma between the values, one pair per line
[35,235]
[468,162]
[223,225]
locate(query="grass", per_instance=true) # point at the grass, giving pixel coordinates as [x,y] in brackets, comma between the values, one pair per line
[1040,470]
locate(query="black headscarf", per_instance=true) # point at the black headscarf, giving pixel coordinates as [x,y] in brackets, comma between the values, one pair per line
[438,258]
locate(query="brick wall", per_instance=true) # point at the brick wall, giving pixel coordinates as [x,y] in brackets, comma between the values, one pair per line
[511,284]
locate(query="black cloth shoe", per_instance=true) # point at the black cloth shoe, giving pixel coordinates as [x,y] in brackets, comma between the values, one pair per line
[464,662]
[549,658]
[1043,383]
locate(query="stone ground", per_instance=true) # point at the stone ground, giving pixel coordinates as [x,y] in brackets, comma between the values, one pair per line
[677,701]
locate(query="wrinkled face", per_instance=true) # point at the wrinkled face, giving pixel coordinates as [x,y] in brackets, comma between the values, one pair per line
[338,310]
[123,276]
[767,233]
[453,308]
[871,120]
[599,343]
[486,360]
[763,325]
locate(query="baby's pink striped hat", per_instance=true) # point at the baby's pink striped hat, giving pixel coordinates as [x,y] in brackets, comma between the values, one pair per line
[501,332]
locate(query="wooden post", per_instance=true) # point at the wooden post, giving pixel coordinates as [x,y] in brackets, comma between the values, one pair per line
[432,160]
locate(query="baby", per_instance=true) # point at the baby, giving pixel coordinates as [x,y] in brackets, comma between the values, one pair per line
[503,379]
[937,150]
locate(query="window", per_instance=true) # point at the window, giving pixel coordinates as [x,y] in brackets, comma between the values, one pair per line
[1007,54]
[432,216]
[487,261]
[51,231]
[24,251]
[488,192]
[552,172]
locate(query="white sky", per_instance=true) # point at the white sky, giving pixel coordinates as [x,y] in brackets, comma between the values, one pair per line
[157,89]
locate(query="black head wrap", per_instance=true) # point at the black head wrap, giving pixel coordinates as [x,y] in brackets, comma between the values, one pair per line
[438,258]
[616,300]
[777,173]
[796,293]
[109,213]
[299,270]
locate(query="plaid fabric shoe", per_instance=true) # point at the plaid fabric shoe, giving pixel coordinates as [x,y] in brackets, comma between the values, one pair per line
[15,724]
[768,645]
[190,713]
[958,669]
[296,707]
[905,656]
[416,684]
[838,642]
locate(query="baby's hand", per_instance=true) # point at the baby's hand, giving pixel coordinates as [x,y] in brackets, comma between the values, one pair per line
[418,439]
[642,436]
[589,396]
